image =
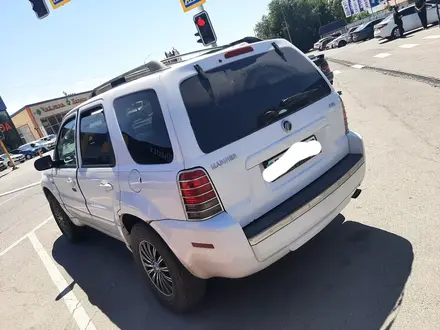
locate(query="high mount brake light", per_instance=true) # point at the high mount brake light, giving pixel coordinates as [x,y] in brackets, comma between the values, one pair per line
[198,194]
[239,51]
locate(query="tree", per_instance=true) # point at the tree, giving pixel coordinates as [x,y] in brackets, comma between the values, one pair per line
[302,18]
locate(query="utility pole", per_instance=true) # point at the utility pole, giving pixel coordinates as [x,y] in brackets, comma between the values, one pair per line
[201,8]
[286,25]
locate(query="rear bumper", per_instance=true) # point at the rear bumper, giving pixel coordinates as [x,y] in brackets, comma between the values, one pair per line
[239,252]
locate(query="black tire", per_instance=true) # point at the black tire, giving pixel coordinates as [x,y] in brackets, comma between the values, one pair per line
[395,34]
[9,164]
[72,232]
[186,289]
[342,44]
[28,156]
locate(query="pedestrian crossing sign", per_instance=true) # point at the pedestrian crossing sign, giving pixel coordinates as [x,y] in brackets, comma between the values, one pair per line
[187,5]
[58,3]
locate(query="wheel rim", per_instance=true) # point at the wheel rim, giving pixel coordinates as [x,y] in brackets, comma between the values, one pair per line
[396,33]
[28,156]
[155,268]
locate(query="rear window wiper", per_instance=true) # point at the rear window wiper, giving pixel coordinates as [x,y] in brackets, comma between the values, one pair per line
[297,97]
[204,80]
[272,115]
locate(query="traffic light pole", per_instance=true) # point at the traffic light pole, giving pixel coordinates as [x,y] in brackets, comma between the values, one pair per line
[214,45]
[2,146]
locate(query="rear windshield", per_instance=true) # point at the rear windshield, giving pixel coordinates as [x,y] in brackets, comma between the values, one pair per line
[237,99]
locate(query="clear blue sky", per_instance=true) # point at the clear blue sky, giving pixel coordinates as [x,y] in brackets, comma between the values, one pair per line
[86,42]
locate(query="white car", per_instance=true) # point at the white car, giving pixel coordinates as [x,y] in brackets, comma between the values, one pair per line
[387,29]
[322,43]
[17,159]
[173,163]
[47,142]
[339,42]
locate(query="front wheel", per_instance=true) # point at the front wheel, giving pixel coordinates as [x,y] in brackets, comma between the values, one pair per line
[172,284]
[28,156]
[71,231]
[396,33]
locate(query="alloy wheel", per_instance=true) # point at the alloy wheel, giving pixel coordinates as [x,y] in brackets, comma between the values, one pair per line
[155,268]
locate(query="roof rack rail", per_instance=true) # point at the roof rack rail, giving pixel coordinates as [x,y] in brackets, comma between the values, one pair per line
[156,66]
[141,71]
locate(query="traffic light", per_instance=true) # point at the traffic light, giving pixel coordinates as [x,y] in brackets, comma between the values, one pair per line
[40,8]
[204,29]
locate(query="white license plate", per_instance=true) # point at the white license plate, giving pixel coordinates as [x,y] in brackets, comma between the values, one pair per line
[269,162]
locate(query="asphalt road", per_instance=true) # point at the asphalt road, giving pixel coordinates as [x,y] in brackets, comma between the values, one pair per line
[375,267]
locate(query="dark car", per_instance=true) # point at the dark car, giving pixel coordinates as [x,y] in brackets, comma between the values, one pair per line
[29,150]
[322,63]
[365,31]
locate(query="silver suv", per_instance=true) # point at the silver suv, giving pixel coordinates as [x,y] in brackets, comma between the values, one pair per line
[170,159]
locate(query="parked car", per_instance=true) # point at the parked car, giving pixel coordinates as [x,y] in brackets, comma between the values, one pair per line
[340,41]
[322,43]
[48,142]
[350,33]
[387,29]
[29,150]
[322,63]
[17,159]
[365,31]
[171,163]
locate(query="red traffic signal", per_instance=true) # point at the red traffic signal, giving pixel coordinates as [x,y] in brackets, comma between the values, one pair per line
[204,28]
[201,22]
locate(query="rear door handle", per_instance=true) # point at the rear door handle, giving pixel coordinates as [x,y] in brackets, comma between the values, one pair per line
[106,185]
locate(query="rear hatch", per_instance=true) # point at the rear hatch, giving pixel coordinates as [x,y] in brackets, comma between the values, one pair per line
[238,111]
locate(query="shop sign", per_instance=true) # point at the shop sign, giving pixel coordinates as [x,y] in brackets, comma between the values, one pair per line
[60,105]
[5,127]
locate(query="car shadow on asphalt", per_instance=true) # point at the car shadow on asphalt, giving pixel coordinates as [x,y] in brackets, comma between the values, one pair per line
[350,276]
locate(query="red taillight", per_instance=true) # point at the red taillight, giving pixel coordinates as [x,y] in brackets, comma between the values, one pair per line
[325,67]
[239,51]
[345,116]
[198,195]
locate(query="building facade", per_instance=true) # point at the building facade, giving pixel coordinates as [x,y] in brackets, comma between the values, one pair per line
[36,120]
[12,138]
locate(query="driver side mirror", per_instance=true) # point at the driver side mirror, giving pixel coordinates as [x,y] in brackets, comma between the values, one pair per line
[44,163]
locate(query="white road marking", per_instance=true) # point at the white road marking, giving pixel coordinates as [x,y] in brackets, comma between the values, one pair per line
[435,36]
[408,45]
[20,189]
[73,304]
[10,247]
[358,66]
[382,55]
[13,197]
[335,72]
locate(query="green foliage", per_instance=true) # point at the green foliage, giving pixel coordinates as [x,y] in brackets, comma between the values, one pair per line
[303,17]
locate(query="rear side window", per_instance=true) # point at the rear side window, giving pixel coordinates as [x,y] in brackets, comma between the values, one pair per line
[143,127]
[239,98]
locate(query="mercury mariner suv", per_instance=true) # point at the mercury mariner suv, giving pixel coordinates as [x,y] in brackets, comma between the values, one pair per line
[169,159]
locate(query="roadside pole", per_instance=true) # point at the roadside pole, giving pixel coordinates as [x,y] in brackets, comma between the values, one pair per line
[2,145]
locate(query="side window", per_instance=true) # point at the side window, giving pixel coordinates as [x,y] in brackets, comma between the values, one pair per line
[66,148]
[143,127]
[96,147]
[408,11]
